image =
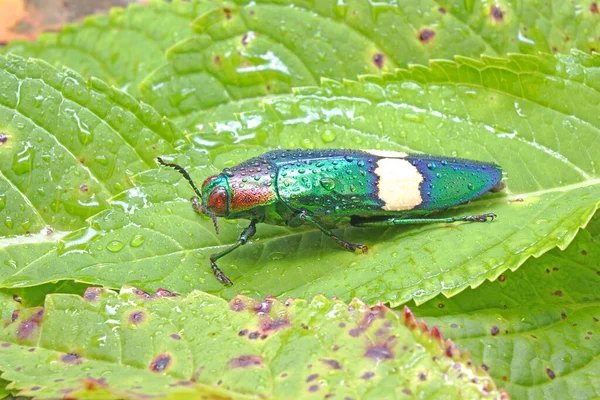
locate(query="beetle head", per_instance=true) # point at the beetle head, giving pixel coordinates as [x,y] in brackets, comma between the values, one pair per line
[215,195]
[200,203]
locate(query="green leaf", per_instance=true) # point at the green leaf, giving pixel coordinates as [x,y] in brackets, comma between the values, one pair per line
[140,345]
[248,49]
[119,48]
[67,146]
[536,330]
[511,111]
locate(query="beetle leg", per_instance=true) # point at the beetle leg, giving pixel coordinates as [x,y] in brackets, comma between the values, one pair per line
[346,245]
[405,221]
[242,240]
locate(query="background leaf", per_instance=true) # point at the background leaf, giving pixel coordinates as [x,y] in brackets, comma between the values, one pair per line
[537,330]
[119,48]
[131,344]
[66,146]
[247,49]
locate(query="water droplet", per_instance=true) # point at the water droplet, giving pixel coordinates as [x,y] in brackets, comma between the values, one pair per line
[2,201]
[301,170]
[102,160]
[352,188]
[431,165]
[9,222]
[136,241]
[328,136]
[307,143]
[26,224]
[23,160]
[470,186]
[327,183]
[115,246]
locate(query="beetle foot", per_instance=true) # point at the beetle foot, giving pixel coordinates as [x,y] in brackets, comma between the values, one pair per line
[351,246]
[480,218]
[220,275]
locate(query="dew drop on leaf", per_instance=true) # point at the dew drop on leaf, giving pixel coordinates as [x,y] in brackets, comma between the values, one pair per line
[328,136]
[136,241]
[115,246]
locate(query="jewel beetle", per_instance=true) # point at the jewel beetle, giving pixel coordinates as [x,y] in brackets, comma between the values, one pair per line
[335,188]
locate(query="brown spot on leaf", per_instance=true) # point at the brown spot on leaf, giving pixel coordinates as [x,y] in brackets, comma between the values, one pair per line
[246,361]
[453,326]
[563,315]
[485,367]
[27,327]
[558,293]
[5,345]
[312,377]
[495,330]
[237,304]
[441,305]
[15,315]
[160,292]
[367,375]
[335,364]
[243,332]
[379,352]
[175,336]
[356,331]
[426,35]
[93,384]
[71,358]
[496,13]
[313,388]
[264,307]
[270,326]
[502,278]
[17,298]
[3,138]
[254,335]
[218,60]
[442,10]
[160,363]
[141,293]
[422,376]
[584,252]
[378,60]
[84,188]
[451,350]
[227,12]
[92,293]
[594,8]
[550,373]
[137,317]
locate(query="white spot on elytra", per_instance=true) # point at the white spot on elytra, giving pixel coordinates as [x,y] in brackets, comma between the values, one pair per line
[387,153]
[398,184]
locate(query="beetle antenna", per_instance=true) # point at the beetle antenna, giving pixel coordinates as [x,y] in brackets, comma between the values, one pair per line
[214,220]
[183,172]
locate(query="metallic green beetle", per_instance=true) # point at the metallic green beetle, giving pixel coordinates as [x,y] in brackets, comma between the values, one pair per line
[336,188]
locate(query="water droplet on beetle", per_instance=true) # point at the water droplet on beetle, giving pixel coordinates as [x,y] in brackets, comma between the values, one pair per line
[327,183]
[470,186]
[431,165]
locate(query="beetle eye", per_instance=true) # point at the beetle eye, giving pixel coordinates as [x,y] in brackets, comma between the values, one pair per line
[217,202]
